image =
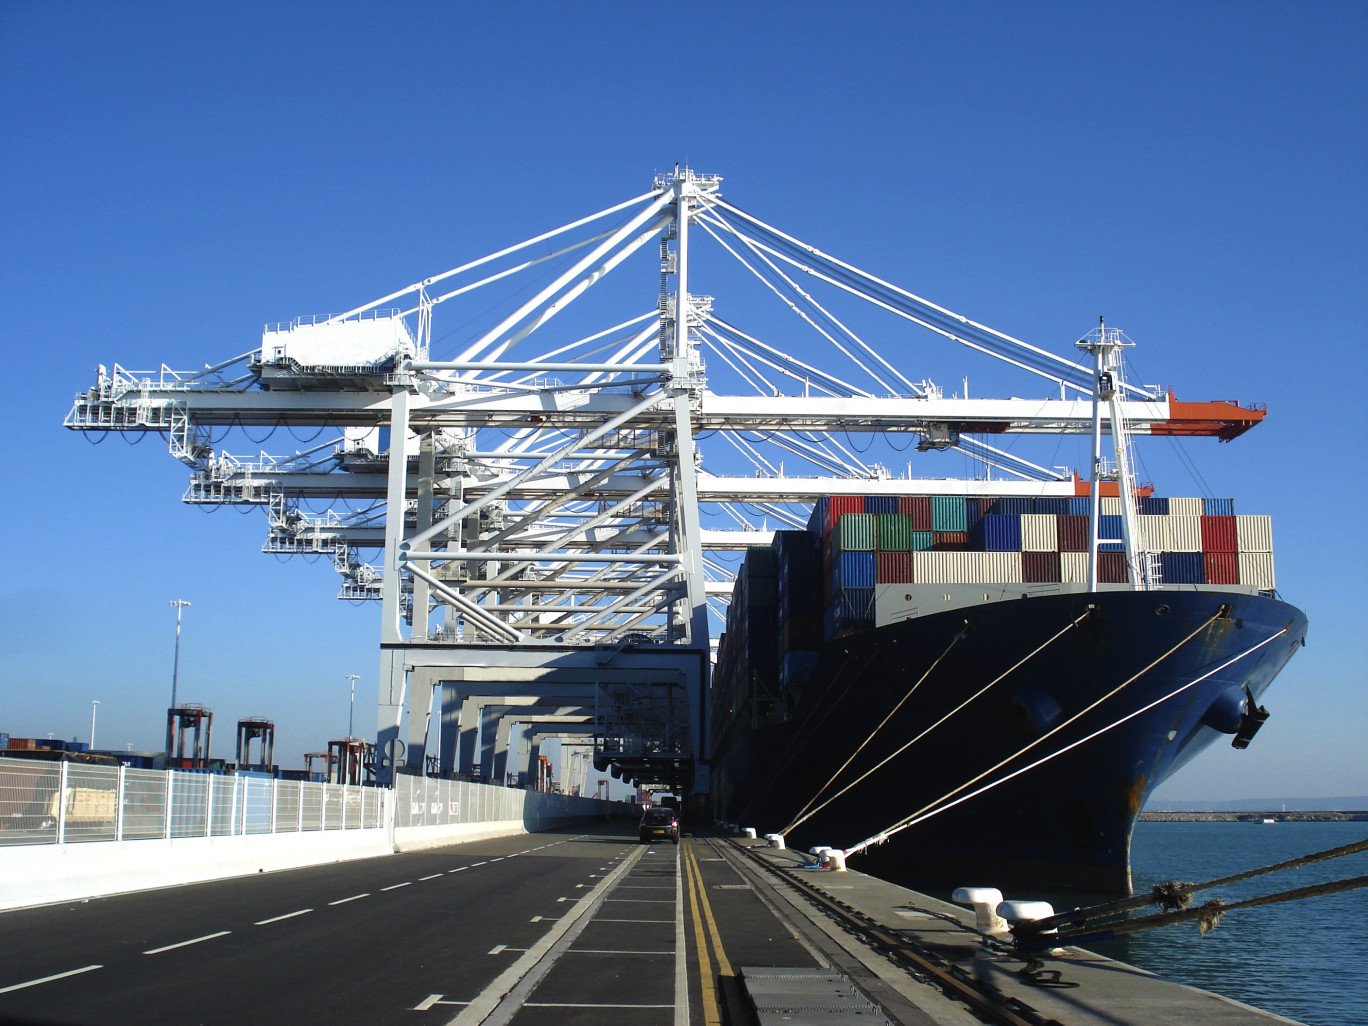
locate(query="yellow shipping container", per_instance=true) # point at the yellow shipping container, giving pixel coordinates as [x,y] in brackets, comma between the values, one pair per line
[1184,534]
[1039,533]
[1254,533]
[1256,568]
[1073,567]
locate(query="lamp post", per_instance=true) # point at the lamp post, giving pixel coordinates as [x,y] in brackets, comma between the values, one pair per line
[175,667]
[351,714]
[93,703]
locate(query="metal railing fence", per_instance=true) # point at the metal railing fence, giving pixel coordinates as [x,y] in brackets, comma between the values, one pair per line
[66,803]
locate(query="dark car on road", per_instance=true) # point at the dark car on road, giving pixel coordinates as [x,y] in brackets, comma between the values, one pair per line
[658,824]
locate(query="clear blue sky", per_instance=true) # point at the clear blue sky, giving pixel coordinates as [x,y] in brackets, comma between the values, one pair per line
[175,175]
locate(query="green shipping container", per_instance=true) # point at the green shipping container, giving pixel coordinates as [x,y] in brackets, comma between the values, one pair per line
[854,532]
[948,514]
[895,532]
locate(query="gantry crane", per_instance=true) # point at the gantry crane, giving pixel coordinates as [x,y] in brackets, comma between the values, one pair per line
[524,496]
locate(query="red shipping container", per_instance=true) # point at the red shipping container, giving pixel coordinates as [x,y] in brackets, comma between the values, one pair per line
[1073,532]
[1040,567]
[918,507]
[893,568]
[950,541]
[1221,567]
[1218,535]
[1111,567]
[838,506]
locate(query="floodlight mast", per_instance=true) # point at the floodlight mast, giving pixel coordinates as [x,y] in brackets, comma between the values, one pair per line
[175,665]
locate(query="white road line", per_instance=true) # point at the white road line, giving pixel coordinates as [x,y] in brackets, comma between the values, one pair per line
[608,951]
[395,887]
[458,869]
[600,919]
[474,864]
[435,999]
[681,980]
[287,915]
[644,901]
[575,1004]
[434,876]
[170,947]
[49,979]
[343,901]
[497,948]
[500,1001]
[499,859]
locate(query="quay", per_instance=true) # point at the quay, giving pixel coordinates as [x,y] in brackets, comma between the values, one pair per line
[582,925]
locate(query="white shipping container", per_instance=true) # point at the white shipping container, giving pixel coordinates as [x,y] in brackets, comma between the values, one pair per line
[1111,505]
[1185,508]
[1154,533]
[1254,533]
[1256,568]
[966,567]
[1039,533]
[1073,567]
[1184,534]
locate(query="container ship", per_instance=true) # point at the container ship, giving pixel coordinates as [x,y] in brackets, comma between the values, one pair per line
[970,690]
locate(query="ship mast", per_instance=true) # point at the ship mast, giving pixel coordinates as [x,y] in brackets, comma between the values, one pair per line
[1105,345]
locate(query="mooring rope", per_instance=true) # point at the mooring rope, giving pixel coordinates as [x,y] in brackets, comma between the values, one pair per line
[1208,915]
[1174,895]
[935,807]
[883,762]
[800,818]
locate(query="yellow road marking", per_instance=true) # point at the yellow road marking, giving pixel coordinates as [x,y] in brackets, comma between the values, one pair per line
[711,1016]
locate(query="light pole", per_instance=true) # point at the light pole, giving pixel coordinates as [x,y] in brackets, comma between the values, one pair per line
[93,703]
[351,714]
[175,667]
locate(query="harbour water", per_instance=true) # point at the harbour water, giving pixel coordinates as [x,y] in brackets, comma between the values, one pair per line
[1307,960]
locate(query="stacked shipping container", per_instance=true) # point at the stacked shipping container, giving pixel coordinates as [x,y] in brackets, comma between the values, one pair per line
[811,586]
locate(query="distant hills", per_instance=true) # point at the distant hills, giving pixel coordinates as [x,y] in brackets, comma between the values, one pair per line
[1351,803]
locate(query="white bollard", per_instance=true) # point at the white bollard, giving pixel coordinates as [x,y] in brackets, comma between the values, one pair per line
[985,902]
[1025,911]
[775,840]
[749,832]
[834,860]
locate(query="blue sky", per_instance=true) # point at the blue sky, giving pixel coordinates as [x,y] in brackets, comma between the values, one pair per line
[177,175]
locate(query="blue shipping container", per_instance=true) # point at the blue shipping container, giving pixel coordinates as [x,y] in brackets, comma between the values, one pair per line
[1154,506]
[997,532]
[1053,507]
[1080,506]
[1110,527]
[850,609]
[817,520]
[852,570]
[1218,507]
[1183,568]
[1012,507]
[881,504]
[921,540]
[947,513]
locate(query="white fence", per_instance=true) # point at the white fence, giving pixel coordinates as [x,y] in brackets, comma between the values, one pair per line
[116,803]
[448,810]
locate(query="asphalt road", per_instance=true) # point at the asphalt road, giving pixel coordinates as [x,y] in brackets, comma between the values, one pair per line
[563,928]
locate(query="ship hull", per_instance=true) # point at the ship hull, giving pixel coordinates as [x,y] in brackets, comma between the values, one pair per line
[1062,825]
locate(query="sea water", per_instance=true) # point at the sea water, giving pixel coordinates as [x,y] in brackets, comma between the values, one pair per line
[1306,959]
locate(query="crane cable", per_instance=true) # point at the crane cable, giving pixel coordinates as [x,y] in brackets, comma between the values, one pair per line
[932,808]
[800,817]
[879,765]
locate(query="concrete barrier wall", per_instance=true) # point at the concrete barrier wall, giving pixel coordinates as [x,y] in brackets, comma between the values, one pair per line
[38,874]
[418,813]
[430,813]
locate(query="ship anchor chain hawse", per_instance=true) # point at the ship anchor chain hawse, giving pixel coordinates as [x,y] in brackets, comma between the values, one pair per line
[636,479]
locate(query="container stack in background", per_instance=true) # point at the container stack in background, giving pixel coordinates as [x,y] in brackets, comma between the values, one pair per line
[811,586]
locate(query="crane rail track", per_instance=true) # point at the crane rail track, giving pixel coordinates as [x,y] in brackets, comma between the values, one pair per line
[954,980]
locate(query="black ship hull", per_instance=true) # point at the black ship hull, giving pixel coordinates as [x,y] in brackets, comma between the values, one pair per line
[1063,824]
